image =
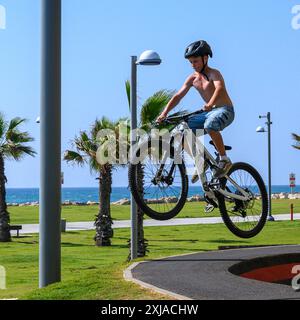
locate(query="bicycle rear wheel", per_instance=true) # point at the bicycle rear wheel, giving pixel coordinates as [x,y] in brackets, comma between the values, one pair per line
[165,184]
[245,219]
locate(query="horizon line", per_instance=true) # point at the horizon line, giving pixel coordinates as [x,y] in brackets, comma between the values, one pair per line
[87,187]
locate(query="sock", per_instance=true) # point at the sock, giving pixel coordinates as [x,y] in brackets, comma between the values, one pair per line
[224,158]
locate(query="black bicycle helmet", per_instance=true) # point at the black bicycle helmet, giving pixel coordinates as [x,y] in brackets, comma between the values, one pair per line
[198,49]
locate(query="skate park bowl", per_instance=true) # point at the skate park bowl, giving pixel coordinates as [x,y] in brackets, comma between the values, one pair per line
[280,269]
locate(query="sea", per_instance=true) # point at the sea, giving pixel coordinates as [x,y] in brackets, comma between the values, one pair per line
[83,195]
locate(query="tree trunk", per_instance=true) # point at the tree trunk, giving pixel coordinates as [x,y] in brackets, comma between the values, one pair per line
[4,215]
[142,242]
[103,221]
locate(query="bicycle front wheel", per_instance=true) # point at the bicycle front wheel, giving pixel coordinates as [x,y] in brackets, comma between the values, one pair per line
[158,184]
[245,219]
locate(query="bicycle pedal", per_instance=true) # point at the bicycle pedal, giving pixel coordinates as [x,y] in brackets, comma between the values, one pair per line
[209,208]
[214,185]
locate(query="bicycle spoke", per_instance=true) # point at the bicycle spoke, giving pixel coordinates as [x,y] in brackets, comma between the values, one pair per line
[244,214]
[160,192]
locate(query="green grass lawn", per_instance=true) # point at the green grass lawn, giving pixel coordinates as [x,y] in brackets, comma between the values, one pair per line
[90,272]
[23,215]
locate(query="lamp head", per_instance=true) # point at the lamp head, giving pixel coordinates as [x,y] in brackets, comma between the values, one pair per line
[260,130]
[149,58]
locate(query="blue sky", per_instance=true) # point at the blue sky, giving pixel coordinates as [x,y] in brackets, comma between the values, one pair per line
[255,48]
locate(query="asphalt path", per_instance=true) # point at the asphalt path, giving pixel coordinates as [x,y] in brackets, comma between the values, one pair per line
[205,275]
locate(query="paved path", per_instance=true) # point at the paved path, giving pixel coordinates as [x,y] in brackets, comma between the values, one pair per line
[205,275]
[81,226]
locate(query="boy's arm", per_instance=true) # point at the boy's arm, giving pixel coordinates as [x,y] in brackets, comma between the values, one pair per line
[177,97]
[219,84]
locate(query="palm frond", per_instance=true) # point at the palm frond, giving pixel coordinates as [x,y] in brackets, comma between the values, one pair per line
[75,157]
[3,126]
[17,152]
[15,122]
[154,105]
[10,153]
[15,136]
[297,140]
[94,165]
[103,124]
[106,123]
[84,136]
[27,150]
[83,143]
[148,126]
[12,140]
[128,93]
[127,86]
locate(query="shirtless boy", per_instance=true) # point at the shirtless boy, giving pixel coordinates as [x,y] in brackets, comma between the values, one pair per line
[218,108]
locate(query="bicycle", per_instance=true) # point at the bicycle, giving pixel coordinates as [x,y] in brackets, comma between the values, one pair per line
[240,195]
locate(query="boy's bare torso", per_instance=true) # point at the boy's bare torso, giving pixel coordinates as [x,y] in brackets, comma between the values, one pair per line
[207,88]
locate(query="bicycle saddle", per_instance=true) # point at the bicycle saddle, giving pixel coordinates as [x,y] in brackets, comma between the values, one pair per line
[227,148]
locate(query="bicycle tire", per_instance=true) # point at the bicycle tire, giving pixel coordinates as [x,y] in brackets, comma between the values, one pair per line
[264,200]
[139,198]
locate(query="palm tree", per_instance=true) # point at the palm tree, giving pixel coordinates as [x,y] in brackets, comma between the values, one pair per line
[12,146]
[150,110]
[86,146]
[297,140]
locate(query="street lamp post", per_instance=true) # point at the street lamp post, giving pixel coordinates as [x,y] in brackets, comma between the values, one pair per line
[147,58]
[262,130]
[50,119]
[133,110]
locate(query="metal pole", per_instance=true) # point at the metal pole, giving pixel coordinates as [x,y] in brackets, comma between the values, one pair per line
[50,181]
[133,109]
[270,218]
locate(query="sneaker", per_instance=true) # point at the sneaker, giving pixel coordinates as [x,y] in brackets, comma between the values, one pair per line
[224,166]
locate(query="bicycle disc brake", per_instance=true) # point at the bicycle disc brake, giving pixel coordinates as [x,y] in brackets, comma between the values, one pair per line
[240,206]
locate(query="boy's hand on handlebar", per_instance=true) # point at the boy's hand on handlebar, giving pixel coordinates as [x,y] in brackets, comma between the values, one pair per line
[207,107]
[161,118]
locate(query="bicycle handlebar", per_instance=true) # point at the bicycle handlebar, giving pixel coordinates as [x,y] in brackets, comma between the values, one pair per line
[181,117]
[174,119]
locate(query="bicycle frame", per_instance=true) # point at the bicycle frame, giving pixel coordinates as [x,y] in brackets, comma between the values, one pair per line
[203,155]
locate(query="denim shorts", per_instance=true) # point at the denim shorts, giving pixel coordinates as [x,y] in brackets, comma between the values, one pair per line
[215,120]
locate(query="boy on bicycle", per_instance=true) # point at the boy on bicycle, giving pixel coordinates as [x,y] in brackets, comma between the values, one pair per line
[218,108]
